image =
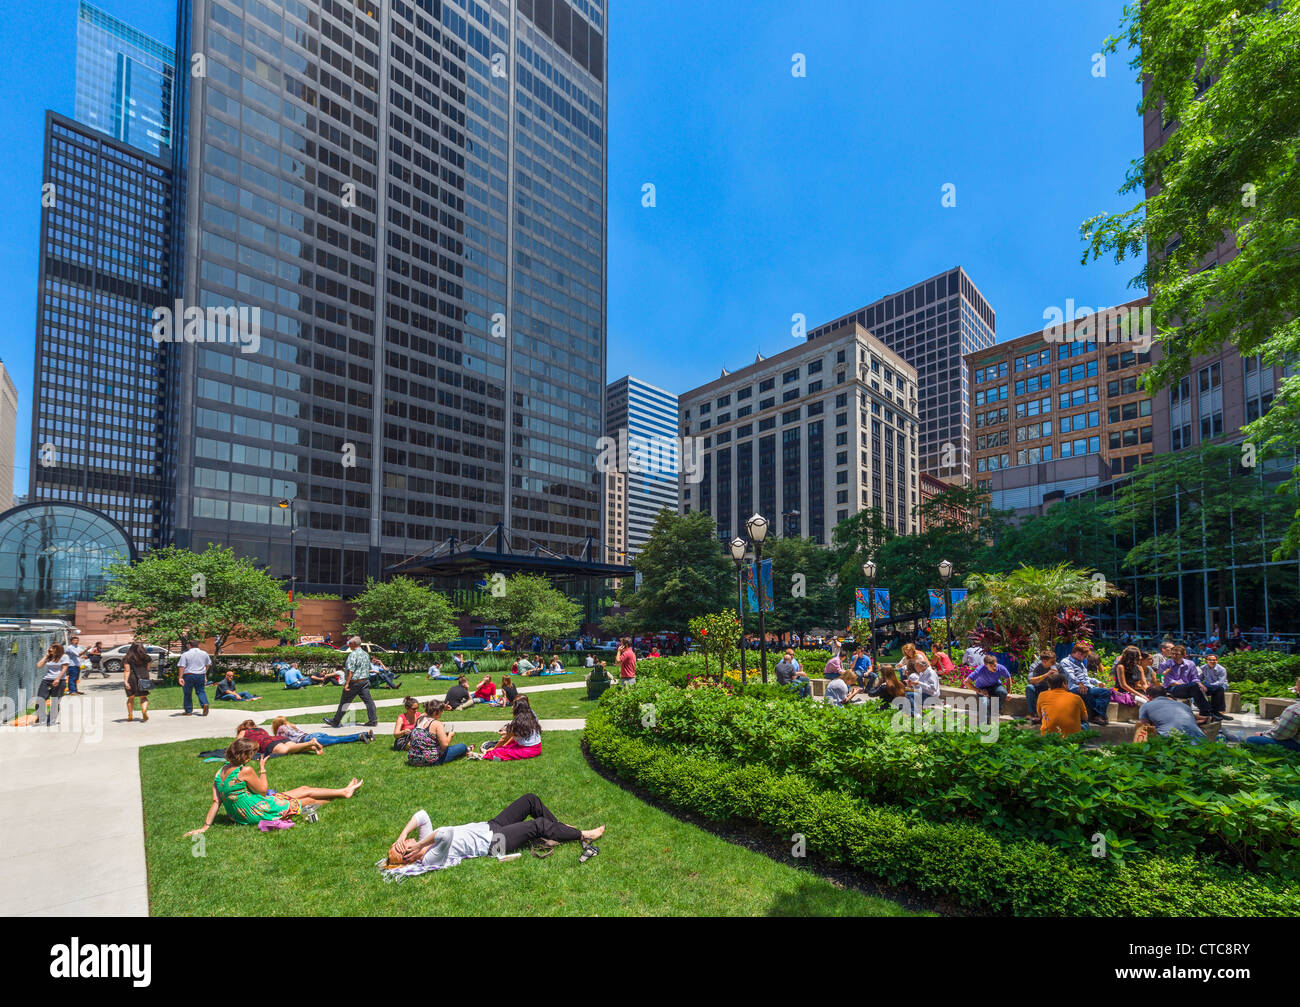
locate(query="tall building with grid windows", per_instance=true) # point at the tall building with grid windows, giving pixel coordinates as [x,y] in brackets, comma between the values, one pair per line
[413,194]
[807,438]
[124,81]
[98,418]
[634,408]
[933,325]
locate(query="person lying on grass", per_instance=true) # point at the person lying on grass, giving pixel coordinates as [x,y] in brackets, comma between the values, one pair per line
[247,798]
[525,820]
[286,730]
[430,741]
[268,744]
[519,739]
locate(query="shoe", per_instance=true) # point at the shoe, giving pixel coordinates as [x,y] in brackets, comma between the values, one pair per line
[205,711]
[371,723]
[144,714]
[368,737]
[329,723]
[1225,716]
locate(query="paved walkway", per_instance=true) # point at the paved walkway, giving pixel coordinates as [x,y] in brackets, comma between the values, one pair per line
[71,814]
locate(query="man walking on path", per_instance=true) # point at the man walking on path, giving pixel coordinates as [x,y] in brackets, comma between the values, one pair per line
[192,669]
[358,684]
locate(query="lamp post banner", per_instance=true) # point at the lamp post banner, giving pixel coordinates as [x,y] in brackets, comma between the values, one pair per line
[937,610]
[881,604]
[751,596]
[860,603]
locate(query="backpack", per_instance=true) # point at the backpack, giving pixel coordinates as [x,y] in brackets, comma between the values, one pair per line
[422,748]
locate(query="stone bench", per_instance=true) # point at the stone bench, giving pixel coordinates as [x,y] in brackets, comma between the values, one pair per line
[1232,702]
[1271,707]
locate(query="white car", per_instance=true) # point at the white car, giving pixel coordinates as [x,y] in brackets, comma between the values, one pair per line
[160,659]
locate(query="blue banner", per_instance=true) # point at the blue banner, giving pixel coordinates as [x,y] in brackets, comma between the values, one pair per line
[958,596]
[860,603]
[936,604]
[881,603]
[751,598]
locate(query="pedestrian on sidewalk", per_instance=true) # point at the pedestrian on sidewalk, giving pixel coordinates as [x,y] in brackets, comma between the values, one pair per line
[358,684]
[73,651]
[192,668]
[55,662]
[136,680]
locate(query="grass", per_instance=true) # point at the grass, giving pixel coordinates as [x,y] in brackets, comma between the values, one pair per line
[170,696]
[649,864]
[561,703]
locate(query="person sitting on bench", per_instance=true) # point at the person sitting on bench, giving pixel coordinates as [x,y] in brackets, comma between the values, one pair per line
[525,820]
[1285,733]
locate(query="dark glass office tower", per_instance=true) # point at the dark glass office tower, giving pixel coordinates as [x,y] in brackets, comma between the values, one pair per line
[413,195]
[932,325]
[124,81]
[98,402]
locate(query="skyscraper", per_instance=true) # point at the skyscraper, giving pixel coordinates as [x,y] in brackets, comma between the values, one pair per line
[413,195]
[98,421]
[635,409]
[933,325]
[124,81]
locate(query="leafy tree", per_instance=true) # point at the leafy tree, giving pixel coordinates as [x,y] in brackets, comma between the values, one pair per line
[855,540]
[718,634]
[404,613]
[683,574]
[1074,531]
[172,594]
[1226,72]
[529,606]
[805,587]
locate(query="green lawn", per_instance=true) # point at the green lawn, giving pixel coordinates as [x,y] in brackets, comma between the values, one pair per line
[275,696]
[556,704]
[649,862]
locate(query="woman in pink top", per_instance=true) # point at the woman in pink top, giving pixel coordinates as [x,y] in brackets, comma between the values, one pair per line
[405,723]
[626,658]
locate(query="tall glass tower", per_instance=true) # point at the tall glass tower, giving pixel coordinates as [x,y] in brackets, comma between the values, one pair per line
[413,195]
[634,408]
[124,81]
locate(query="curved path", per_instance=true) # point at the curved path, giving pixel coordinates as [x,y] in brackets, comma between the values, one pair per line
[71,814]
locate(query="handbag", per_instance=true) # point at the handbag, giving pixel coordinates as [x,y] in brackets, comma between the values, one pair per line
[144,684]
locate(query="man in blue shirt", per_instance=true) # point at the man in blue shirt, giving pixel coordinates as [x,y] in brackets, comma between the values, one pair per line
[1095,697]
[1166,716]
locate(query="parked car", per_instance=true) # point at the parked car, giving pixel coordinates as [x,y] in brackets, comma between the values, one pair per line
[160,659]
[373,648]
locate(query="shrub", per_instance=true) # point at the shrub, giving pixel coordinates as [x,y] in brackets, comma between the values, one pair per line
[1167,796]
[955,860]
[1262,666]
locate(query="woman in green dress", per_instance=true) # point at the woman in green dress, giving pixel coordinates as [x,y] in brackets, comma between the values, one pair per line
[244,795]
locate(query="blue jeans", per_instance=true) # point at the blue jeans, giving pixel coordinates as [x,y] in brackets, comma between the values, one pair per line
[300,683]
[1031,698]
[451,753]
[192,684]
[1289,744]
[1096,700]
[802,686]
[998,692]
[74,676]
[236,697]
[333,739]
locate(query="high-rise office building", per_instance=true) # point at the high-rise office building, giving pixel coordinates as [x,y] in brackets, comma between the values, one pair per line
[8,436]
[933,325]
[413,196]
[807,438]
[637,410]
[98,423]
[124,81]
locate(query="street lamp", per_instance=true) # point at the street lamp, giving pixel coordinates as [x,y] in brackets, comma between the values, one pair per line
[945,574]
[757,528]
[293,560]
[869,568]
[738,546]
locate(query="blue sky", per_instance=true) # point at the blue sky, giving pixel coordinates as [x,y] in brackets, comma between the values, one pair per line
[774,194]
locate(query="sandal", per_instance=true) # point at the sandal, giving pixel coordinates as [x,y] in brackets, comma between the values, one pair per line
[588,851]
[543,848]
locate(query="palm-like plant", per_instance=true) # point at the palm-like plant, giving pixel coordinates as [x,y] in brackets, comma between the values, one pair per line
[1029,600]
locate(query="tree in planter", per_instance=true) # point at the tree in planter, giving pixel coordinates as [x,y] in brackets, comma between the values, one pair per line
[718,635]
[1027,603]
[530,607]
[402,612]
[172,594]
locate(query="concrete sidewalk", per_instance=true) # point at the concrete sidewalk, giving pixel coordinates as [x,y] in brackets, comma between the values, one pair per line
[71,814]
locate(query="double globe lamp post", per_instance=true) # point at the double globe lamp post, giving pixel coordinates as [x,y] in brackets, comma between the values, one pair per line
[756,526]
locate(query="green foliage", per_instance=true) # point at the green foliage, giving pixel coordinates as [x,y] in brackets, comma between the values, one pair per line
[953,859]
[1231,805]
[530,607]
[402,612]
[717,635]
[171,594]
[1262,666]
[805,597]
[319,596]
[683,574]
[1226,72]
[1075,531]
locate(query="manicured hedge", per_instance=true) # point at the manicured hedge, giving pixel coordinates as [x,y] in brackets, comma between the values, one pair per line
[953,860]
[1167,796]
[1262,666]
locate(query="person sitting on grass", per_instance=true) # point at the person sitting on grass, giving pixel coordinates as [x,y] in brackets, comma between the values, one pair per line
[294,678]
[269,744]
[226,690]
[1163,715]
[1036,683]
[464,667]
[524,666]
[247,799]
[556,667]
[525,820]
[435,670]
[430,741]
[987,681]
[285,729]
[1060,711]
[405,723]
[1285,732]
[1095,698]
[458,697]
[508,690]
[486,692]
[790,675]
[519,739]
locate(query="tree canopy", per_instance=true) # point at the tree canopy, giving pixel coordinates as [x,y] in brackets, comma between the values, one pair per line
[683,574]
[529,606]
[404,613]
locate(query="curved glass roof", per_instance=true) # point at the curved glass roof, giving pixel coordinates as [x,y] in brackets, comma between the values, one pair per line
[53,555]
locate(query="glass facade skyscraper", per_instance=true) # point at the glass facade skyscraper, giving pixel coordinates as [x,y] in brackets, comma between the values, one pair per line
[933,325]
[634,408]
[124,81]
[98,422]
[413,195]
